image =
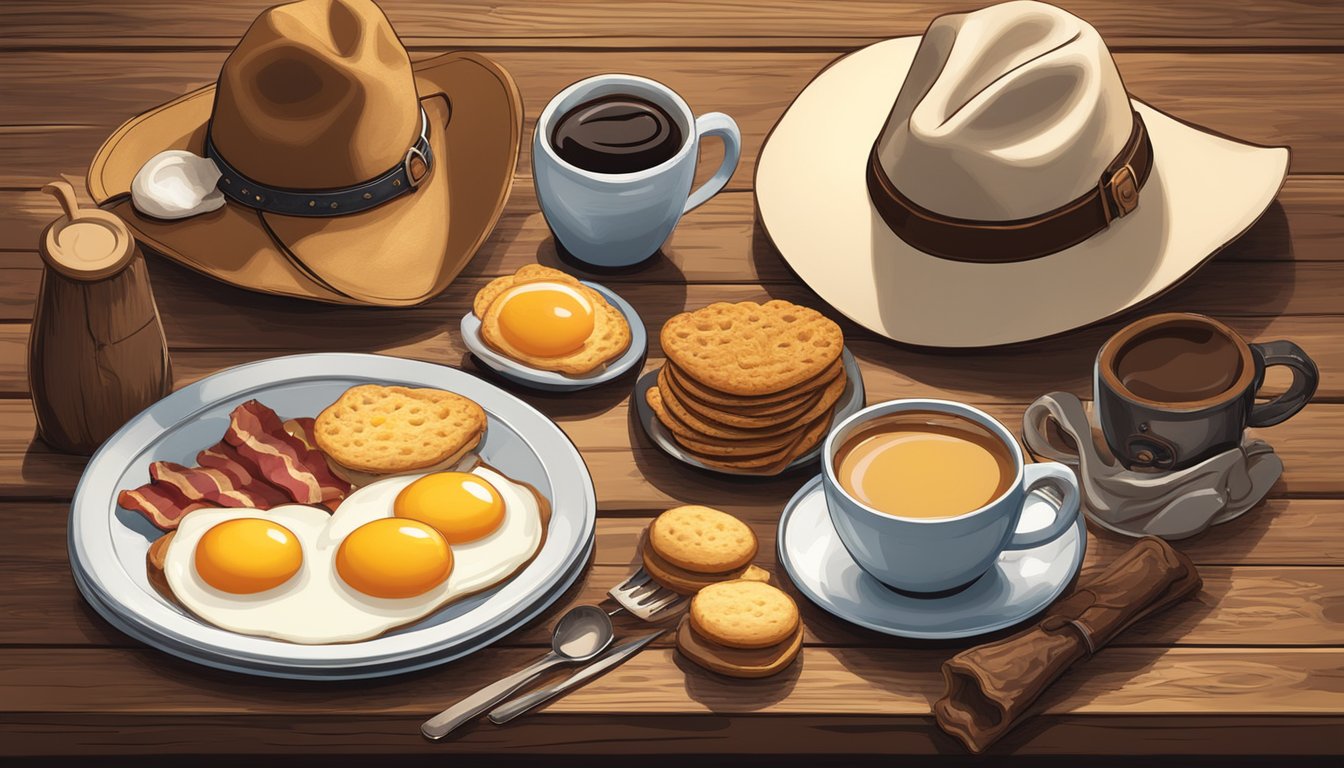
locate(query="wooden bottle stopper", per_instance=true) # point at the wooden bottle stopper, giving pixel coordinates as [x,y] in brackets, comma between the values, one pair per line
[97,355]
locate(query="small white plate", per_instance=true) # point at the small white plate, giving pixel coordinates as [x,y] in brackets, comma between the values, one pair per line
[851,401]
[1020,585]
[551,381]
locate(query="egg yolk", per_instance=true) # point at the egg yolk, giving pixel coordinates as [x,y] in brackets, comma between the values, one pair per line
[545,319]
[394,558]
[248,555]
[461,506]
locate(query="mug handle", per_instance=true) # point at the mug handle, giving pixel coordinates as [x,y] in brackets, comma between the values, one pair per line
[1305,378]
[1061,479]
[723,126]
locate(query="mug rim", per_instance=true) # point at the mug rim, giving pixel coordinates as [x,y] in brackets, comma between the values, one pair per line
[542,128]
[1105,362]
[902,405]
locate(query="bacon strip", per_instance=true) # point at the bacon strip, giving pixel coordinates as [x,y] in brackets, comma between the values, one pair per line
[241,474]
[284,460]
[160,503]
[213,486]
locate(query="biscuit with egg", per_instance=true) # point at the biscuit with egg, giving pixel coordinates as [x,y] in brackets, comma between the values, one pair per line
[555,325]
[744,614]
[386,430]
[526,273]
[751,349]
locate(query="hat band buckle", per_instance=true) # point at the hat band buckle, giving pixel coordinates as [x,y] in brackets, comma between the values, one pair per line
[387,186]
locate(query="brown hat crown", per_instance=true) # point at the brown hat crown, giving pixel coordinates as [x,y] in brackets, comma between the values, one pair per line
[319,94]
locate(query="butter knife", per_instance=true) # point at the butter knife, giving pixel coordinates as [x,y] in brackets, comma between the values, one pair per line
[613,658]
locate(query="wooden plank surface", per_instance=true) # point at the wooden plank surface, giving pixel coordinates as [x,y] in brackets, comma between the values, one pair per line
[1261,98]
[695,23]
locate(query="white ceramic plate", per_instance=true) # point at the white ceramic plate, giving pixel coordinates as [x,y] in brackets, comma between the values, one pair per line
[107,544]
[551,381]
[1020,585]
[851,401]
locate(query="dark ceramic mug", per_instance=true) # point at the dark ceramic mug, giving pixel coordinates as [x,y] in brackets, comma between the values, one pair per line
[1174,389]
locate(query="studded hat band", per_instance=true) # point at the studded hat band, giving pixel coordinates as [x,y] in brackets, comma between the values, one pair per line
[403,178]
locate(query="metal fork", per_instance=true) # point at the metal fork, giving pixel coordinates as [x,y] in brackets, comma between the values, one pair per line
[646,598]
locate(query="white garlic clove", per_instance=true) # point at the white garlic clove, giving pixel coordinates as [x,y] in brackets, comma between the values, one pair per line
[175,184]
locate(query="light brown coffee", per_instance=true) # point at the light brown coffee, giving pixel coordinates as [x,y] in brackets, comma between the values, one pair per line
[924,464]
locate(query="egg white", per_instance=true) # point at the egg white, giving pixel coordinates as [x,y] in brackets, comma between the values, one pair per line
[315,606]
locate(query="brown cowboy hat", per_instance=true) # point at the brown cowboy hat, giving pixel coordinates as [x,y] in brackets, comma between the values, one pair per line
[352,176]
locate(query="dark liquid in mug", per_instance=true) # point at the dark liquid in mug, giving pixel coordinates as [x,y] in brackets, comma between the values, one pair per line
[616,134]
[1179,364]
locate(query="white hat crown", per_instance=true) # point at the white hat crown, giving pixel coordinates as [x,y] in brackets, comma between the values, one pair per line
[1006,113]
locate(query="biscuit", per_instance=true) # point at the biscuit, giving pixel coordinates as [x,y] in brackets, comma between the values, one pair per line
[735,449]
[702,539]
[772,464]
[790,396]
[610,337]
[685,582]
[737,662]
[360,479]
[735,417]
[744,614]
[752,349]
[389,430]
[708,428]
[528,273]
[683,433]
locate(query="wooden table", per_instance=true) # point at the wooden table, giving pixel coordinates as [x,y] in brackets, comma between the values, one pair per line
[1250,668]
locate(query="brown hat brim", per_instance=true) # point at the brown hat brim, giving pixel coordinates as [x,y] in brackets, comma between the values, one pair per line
[400,253]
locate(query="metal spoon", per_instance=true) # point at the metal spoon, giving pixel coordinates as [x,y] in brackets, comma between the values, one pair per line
[581,635]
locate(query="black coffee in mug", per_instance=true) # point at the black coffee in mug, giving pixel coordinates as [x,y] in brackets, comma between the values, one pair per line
[616,134]
[1174,389]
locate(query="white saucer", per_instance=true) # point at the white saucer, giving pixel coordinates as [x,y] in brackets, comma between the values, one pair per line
[851,401]
[551,381]
[1020,585]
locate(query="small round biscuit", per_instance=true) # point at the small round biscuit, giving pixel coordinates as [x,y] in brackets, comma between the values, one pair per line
[702,539]
[744,614]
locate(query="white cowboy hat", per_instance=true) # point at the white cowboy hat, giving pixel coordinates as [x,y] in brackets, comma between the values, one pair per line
[992,182]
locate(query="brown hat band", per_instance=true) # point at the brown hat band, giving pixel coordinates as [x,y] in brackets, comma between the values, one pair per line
[392,183]
[1115,195]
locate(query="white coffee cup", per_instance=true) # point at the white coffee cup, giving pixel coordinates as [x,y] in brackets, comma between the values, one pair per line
[938,555]
[620,219]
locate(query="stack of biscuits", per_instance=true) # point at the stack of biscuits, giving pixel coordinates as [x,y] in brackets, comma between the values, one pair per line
[688,548]
[749,387]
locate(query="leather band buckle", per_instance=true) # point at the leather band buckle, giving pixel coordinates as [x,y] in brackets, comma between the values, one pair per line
[1122,193]
[412,178]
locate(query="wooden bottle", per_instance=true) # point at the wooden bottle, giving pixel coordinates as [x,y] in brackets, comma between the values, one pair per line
[97,355]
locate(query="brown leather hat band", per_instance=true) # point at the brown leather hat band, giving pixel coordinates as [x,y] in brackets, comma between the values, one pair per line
[1115,196]
[401,179]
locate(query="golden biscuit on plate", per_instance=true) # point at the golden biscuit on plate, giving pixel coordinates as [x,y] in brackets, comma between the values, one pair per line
[711,428]
[738,662]
[761,403]
[752,349]
[735,417]
[375,430]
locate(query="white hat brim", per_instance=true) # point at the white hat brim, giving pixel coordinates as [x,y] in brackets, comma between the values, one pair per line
[812,195]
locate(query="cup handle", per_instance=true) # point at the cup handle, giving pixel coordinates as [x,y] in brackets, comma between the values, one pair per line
[1305,378]
[723,126]
[1061,479]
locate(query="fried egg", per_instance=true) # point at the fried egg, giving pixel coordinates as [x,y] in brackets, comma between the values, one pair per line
[555,326]
[394,552]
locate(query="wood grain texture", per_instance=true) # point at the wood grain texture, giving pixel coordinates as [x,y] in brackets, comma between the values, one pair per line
[698,23]
[1262,98]
[838,681]
[633,474]
[549,739]
[1273,605]
[721,242]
